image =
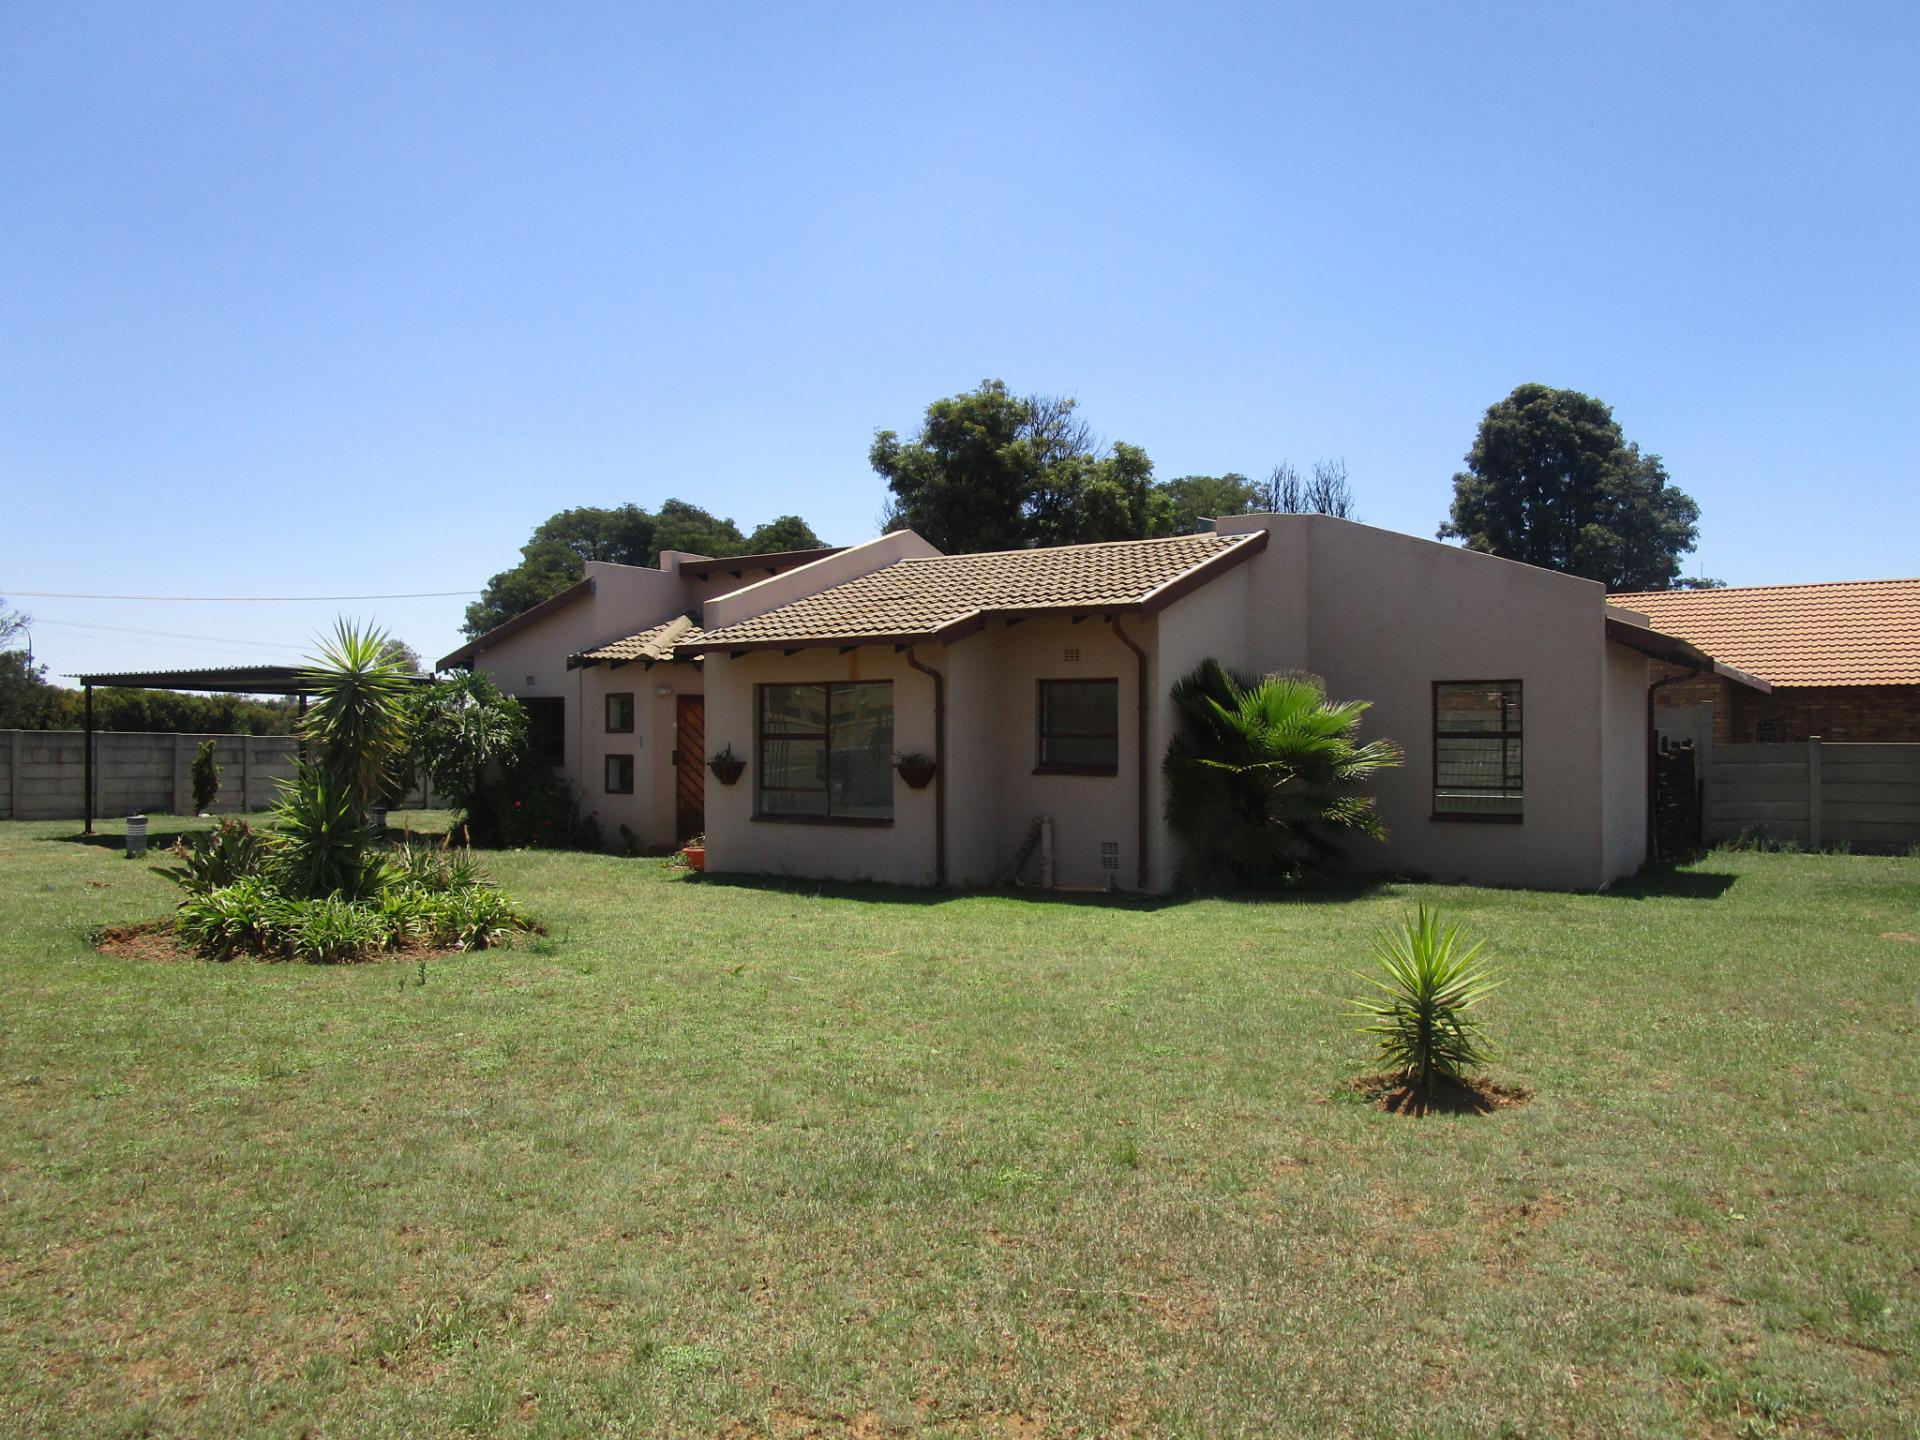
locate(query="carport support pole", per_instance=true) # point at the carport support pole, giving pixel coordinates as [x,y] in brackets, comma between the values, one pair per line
[86,762]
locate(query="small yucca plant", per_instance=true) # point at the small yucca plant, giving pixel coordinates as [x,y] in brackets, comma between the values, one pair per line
[1422,1015]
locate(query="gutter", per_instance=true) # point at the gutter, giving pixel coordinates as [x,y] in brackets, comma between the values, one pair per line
[1140,732]
[939,767]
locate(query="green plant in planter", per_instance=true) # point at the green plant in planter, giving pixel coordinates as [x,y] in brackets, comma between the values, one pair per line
[206,778]
[1423,1016]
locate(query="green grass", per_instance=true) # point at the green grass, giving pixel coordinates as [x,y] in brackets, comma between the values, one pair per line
[720,1159]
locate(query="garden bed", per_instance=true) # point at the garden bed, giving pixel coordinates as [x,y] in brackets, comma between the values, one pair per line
[157,942]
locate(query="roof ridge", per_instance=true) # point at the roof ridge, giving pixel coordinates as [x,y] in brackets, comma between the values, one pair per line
[1748,589]
[1075,545]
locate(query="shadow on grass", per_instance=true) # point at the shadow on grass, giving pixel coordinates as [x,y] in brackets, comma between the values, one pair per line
[876,893]
[157,840]
[1665,882]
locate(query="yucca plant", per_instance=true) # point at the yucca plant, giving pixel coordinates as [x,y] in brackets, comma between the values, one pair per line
[1423,1016]
[357,726]
[1264,771]
[324,845]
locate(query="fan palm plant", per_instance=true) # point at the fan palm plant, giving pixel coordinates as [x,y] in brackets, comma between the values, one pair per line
[357,726]
[1422,1016]
[1262,772]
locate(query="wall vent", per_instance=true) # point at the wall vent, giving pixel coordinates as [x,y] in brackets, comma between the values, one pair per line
[1109,854]
[1071,655]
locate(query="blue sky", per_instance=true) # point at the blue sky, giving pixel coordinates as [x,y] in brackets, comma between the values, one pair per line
[313,300]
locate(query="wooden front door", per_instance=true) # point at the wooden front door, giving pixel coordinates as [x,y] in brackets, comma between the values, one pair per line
[690,766]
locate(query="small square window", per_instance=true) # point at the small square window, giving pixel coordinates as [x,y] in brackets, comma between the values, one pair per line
[619,774]
[620,713]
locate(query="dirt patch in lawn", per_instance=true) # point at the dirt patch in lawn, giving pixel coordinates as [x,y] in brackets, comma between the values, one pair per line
[1474,1096]
[155,942]
[1907,935]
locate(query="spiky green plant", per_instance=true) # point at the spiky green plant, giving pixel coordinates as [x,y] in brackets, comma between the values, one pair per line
[356,729]
[1263,772]
[324,845]
[1422,1017]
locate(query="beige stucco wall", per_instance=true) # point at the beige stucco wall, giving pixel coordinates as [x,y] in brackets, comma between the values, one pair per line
[1623,795]
[1389,615]
[900,853]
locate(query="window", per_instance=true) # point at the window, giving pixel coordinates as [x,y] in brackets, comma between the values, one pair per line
[546,729]
[620,713]
[620,774]
[826,752]
[1079,727]
[1476,750]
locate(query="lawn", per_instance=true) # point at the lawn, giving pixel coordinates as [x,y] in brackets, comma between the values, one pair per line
[738,1160]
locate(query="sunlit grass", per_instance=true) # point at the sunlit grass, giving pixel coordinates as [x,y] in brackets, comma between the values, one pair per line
[711,1156]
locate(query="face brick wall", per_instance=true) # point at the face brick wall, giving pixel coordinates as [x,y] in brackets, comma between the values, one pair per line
[1863,714]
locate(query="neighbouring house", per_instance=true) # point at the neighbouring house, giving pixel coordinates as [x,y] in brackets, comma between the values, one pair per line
[1036,683]
[1843,658]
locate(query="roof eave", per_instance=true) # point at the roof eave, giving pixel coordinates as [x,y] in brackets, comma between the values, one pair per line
[1671,648]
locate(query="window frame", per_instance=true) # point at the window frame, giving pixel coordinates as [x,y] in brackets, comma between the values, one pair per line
[1503,735]
[606,773]
[824,738]
[607,712]
[1043,766]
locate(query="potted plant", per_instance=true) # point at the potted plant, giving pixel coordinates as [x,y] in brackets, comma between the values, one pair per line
[916,769]
[727,767]
[694,852]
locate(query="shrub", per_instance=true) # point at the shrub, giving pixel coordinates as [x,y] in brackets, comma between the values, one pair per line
[1263,770]
[246,917]
[434,867]
[206,778]
[475,918]
[331,930]
[1422,1016]
[232,850]
[460,731]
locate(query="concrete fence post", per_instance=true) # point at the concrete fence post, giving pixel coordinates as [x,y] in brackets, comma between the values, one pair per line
[1813,792]
[15,763]
[246,773]
[180,798]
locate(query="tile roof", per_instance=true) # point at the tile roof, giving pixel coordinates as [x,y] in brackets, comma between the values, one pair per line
[1849,632]
[654,644]
[944,596]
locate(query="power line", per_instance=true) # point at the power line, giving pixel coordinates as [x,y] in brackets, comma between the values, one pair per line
[242,599]
[172,635]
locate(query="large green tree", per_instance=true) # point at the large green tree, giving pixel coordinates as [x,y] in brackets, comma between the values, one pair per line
[1181,505]
[1552,481]
[556,553]
[991,470]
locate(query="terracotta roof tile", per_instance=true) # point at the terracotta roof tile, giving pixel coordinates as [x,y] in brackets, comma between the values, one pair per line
[1849,632]
[654,644]
[922,597]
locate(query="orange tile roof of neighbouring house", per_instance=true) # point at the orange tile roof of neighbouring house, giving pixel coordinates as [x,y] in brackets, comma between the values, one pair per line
[1846,632]
[653,644]
[942,597]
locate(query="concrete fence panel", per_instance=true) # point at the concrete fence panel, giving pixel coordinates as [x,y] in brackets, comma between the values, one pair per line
[1862,797]
[42,773]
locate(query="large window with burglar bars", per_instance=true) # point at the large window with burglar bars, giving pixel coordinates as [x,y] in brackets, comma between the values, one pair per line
[1477,769]
[826,752]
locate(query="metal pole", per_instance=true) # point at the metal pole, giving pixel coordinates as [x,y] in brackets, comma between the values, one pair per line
[87,762]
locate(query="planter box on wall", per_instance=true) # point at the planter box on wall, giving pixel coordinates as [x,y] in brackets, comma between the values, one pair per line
[727,771]
[917,776]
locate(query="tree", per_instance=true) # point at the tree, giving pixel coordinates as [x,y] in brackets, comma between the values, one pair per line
[1179,505]
[787,532]
[555,555]
[357,726]
[206,778]
[990,470]
[688,528]
[1262,770]
[461,729]
[1326,491]
[1552,481]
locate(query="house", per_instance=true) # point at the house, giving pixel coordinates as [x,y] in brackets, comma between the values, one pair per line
[1843,658]
[1038,680]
